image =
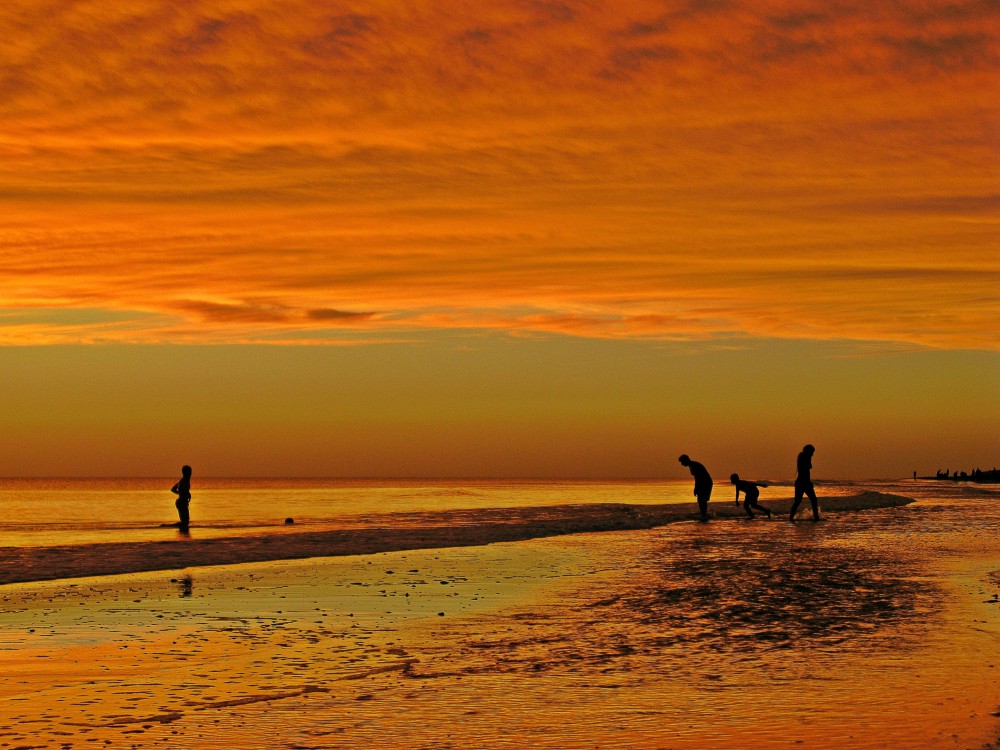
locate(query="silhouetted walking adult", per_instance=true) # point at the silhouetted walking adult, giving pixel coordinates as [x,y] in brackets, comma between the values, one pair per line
[751,493]
[803,482]
[183,491]
[702,483]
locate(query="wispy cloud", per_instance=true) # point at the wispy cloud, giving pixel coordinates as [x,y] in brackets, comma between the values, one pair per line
[263,170]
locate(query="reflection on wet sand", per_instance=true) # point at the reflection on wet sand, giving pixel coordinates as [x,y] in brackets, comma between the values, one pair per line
[185,584]
[734,593]
[708,596]
[688,636]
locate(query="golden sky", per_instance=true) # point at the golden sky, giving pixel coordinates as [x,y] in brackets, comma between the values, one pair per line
[523,175]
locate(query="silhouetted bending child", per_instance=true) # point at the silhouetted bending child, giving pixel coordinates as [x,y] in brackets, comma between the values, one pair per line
[803,483]
[183,491]
[702,484]
[751,493]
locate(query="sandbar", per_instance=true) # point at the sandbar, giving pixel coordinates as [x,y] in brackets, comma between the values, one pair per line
[383,533]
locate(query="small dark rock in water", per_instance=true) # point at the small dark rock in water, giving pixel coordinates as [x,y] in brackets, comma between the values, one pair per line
[440,614]
[289,521]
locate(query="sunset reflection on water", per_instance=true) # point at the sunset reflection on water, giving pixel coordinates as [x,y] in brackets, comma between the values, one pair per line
[870,629]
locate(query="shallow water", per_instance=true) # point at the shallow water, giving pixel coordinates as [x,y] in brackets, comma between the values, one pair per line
[870,629]
[44,512]
[47,512]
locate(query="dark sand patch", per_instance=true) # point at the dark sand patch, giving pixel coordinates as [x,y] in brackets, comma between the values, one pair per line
[454,528]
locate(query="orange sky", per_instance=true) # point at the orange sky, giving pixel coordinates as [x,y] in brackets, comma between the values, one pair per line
[699,174]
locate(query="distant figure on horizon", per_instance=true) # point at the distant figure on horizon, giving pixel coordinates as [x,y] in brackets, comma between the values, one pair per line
[803,482]
[751,493]
[183,491]
[702,483]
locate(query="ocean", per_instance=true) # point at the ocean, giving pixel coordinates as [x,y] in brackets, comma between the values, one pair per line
[48,512]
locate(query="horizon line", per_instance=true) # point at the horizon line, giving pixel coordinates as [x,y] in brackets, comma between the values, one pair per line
[430,478]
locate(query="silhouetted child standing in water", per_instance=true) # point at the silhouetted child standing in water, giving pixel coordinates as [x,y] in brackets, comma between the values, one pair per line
[751,493]
[803,482]
[183,491]
[702,483]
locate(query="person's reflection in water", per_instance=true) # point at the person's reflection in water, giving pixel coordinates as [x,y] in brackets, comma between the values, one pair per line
[804,484]
[186,585]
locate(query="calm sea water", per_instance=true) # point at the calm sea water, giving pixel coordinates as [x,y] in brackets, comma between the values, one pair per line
[82,511]
[46,512]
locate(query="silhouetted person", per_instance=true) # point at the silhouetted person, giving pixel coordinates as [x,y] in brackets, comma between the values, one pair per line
[702,484]
[803,482]
[751,493]
[183,491]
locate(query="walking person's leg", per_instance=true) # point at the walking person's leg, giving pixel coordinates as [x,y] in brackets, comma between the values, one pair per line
[815,503]
[796,503]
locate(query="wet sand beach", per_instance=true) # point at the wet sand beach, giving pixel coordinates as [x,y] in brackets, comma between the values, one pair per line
[872,629]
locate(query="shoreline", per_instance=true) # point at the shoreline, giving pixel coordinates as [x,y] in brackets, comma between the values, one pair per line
[444,529]
[867,613]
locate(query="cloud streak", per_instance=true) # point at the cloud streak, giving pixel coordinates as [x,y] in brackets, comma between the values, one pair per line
[258,171]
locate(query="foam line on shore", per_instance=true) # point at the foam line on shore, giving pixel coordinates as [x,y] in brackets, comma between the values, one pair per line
[461,528]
